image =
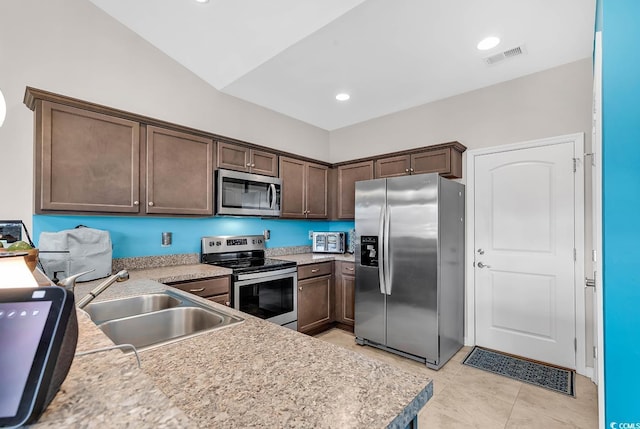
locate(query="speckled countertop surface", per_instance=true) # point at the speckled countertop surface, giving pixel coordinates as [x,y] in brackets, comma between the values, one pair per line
[107,389]
[312,258]
[254,374]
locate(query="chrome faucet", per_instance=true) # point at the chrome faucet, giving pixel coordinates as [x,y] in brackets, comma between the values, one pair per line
[120,276]
[69,283]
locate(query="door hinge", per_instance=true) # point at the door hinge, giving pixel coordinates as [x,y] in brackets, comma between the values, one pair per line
[595,352]
[575,344]
[575,164]
[593,158]
[594,256]
[575,254]
[590,282]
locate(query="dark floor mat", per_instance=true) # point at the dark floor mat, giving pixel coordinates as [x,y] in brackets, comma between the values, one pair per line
[539,374]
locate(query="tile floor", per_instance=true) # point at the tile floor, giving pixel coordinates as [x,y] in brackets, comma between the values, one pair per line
[466,397]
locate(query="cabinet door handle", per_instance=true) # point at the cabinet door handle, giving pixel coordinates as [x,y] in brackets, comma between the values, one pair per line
[406,170]
[151,203]
[248,164]
[201,289]
[350,268]
[315,270]
[136,203]
[253,165]
[300,288]
[227,303]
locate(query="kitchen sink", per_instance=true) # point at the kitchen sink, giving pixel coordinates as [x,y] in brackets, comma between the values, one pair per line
[116,309]
[152,320]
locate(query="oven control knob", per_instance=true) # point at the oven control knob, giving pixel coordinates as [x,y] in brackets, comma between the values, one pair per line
[212,243]
[218,243]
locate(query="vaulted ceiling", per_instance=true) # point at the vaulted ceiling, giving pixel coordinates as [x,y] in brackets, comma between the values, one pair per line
[294,56]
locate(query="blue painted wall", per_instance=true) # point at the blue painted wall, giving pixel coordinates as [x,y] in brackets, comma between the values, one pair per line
[141,236]
[619,21]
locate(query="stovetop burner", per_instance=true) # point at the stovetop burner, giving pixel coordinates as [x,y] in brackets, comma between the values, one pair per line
[242,254]
[246,265]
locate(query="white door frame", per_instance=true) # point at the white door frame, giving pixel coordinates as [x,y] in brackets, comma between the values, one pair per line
[470,289]
[596,149]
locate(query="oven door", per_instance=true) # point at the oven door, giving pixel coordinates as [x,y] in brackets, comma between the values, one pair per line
[268,295]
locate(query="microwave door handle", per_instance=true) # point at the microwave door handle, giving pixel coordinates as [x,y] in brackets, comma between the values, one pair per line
[272,191]
[381,254]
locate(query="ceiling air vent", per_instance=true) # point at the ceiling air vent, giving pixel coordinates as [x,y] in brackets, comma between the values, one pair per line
[509,53]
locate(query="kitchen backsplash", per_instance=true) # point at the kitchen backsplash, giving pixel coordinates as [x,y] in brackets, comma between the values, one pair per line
[142,236]
[289,250]
[146,262]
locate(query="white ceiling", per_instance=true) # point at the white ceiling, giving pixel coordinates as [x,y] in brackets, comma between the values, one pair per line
[294,56]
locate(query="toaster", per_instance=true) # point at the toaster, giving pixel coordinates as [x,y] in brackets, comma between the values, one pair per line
[329,242]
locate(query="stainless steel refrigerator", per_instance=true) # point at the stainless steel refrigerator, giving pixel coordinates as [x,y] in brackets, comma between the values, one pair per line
[410,266]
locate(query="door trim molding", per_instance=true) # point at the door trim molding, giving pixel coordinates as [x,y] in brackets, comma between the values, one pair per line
[470,311]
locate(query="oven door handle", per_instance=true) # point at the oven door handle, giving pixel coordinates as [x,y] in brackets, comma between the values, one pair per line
[257,277]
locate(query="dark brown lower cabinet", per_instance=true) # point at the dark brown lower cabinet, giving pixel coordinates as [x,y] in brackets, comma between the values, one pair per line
[345,295]
[315,298]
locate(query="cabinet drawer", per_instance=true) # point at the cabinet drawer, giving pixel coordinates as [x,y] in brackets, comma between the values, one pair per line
[314,270]
[205,287]
[348,268]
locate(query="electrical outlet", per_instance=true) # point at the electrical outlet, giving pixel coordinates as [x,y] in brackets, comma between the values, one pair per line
[310,235]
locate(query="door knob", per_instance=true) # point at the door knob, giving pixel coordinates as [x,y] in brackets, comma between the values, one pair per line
[481,265]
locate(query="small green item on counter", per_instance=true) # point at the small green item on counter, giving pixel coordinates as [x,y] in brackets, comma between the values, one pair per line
[19,245]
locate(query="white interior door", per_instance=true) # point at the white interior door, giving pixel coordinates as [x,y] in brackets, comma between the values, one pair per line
[525,253]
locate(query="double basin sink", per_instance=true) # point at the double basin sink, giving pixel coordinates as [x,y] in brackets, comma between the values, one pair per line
[152,320]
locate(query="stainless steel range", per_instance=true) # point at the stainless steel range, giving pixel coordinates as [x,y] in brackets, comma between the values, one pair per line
[262,287]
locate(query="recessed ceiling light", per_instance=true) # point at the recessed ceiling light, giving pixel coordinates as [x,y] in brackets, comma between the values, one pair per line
[202,1]
[343,96]
[488,43]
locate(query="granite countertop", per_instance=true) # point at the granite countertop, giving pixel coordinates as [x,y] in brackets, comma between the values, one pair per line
[312,258]
[195,271]
[254,374]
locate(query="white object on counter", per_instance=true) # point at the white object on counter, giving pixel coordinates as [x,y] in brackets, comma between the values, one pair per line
[14,273]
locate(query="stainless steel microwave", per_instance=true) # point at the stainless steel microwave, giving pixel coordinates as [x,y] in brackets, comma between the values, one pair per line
[246,194]
[329,242]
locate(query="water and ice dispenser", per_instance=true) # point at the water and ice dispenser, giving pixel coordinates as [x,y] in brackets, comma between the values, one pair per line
[369,250]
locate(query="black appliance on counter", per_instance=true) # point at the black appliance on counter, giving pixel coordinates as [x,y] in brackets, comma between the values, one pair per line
[263,287]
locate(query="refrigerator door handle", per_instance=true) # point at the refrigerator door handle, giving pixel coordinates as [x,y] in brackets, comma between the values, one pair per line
[381,255]
[387,250]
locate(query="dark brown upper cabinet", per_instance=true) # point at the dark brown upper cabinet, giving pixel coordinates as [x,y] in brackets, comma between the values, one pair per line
[445,159]
[241,158]
[348,175]
[179,173]
[85,161]
[304,189]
